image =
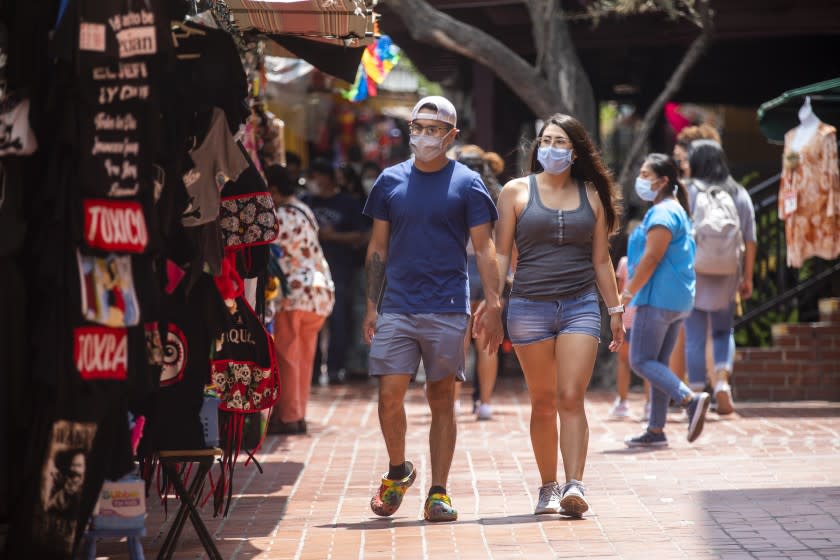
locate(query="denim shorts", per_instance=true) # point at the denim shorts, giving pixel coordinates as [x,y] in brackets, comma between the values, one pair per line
[532,320]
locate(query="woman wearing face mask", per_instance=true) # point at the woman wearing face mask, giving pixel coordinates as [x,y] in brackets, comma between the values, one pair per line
[661,286]
[560,217]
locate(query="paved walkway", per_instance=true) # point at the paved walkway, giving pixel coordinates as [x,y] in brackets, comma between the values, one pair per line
[761,484]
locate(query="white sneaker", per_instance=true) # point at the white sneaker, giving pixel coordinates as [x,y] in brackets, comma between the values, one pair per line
[485,412]
[549,501]
[619,409]
[723,396]
[572,502]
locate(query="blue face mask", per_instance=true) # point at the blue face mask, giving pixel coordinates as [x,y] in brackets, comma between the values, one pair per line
[554,160]
[644,190]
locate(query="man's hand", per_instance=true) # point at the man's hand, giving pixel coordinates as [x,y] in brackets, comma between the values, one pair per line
[487,327]
[746,288]
[369,326]
[617,328]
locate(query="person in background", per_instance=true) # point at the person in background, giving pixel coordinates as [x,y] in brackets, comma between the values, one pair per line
[660,258]
[342,229]
[349,181]
[684,139]
[488,165]
[714,304]
[301,311]
[370,171]
[294,169]
[620,408]
[560,217]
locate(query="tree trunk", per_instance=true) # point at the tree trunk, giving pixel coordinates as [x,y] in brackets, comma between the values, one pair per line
[692,55]
[559,85]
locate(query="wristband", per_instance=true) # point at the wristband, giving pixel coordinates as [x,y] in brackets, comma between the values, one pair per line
[617,309]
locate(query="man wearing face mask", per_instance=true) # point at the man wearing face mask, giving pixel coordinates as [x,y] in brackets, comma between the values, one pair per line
[424,210]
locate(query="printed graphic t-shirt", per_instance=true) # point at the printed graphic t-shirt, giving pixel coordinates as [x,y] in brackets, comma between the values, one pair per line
[430,216]
[672,284]
[216,160]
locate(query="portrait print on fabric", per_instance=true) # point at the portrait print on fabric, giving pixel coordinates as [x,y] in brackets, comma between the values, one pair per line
[62,481]
[108,295]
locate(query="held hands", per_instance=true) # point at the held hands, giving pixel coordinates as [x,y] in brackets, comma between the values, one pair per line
[617,328]
[487,327]
[369,326]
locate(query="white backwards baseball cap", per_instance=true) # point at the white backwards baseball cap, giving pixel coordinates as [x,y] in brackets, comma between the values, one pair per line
[445,111]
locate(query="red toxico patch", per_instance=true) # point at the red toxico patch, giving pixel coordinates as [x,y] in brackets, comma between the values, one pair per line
[113,225]
[100,353]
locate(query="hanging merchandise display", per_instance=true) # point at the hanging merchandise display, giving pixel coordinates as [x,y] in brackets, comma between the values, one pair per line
[809,190]
[377,61]
[135,237]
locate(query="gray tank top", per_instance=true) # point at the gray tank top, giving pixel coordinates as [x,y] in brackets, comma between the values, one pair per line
[555,248]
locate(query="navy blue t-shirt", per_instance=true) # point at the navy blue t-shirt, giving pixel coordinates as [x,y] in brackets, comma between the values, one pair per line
[430,215]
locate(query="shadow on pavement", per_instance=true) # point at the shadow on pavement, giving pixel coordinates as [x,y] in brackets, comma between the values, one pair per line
[773,521]
[376,524]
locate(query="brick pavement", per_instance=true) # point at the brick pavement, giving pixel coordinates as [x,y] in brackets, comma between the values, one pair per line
[762,484]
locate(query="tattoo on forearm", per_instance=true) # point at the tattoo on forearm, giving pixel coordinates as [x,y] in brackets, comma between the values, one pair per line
[375,271]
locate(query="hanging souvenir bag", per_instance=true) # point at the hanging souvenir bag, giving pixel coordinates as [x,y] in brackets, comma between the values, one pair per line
[247,214]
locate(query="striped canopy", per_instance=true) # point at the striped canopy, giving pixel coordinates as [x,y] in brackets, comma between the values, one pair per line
[345,21]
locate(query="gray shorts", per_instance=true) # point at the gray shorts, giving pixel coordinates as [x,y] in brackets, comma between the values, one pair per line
[402,339]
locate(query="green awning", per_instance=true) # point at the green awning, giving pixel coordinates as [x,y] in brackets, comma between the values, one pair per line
[779,115]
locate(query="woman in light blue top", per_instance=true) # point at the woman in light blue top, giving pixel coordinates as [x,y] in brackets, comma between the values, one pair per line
[661,282]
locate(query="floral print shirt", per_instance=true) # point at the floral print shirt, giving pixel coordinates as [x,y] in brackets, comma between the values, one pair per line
[302,262]
[813,228]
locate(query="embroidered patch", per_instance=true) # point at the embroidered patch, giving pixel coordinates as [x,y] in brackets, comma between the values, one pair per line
[118,226]
[92,37]
[248,220]
[108,295]
[62,483]
[175,354]
[100,353]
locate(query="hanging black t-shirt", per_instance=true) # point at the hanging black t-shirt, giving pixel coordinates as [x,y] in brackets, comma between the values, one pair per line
[209,74]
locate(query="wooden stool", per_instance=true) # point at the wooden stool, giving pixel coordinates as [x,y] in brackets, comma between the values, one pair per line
[135,548]
[169,461]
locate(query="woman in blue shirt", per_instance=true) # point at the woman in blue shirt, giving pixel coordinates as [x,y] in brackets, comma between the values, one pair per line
[661,287]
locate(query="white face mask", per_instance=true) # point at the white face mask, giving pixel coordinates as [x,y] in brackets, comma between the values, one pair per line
[554,160]
[426,148]
[644,189]
[367,184]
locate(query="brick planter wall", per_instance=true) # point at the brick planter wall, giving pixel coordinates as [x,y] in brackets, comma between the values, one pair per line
[802,364]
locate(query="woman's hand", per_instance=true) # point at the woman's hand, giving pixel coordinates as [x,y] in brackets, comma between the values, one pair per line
[617,328]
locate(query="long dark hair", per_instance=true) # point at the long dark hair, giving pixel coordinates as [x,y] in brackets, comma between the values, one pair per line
[708,162]
[664,166]
[587,167]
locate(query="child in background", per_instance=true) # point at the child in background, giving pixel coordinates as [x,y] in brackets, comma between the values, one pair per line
[620,408]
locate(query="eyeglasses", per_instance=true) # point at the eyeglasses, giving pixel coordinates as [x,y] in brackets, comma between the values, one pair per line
[555,141]
[436,131]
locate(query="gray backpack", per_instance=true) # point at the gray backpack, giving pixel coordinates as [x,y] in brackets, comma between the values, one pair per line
[717,232]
